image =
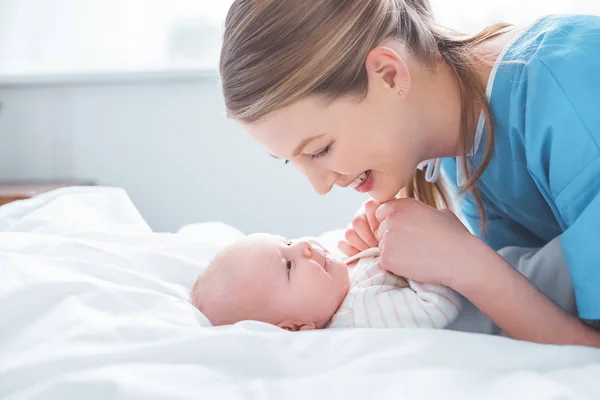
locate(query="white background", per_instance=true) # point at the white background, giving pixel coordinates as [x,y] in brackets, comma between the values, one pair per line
[125,92]
[90,35]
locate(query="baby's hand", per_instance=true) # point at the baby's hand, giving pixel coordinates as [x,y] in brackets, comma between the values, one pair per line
[360,235]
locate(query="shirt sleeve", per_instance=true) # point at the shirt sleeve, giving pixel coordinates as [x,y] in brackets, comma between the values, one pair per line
[563,156]
[501,232]
[581,244]
[546,268]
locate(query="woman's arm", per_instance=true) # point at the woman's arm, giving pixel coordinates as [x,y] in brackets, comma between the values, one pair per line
[427,245]
[516,306]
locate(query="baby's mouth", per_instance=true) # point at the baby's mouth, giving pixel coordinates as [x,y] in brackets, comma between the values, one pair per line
[324,254]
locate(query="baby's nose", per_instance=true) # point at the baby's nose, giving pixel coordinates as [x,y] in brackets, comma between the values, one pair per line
[307,249]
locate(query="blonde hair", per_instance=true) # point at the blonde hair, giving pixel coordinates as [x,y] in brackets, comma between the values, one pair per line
[276,52]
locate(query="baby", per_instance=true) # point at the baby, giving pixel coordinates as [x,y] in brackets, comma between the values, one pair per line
[298,285]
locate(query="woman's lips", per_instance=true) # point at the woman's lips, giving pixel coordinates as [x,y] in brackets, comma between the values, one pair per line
[364,183]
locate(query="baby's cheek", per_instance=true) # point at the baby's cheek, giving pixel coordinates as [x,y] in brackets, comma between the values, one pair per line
[315,292]
[345,285]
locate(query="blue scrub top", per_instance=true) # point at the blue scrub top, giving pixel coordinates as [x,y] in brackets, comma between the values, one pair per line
[544,177]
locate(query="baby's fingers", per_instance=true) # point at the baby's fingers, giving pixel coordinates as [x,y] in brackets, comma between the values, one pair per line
[363,230]
[354,239]
[347,249]
[371,207]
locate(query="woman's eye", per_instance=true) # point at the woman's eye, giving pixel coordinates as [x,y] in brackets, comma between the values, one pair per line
[286,162]
[321,153]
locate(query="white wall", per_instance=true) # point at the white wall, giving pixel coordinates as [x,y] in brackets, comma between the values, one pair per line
[169,144]
[74,36]
[165,140]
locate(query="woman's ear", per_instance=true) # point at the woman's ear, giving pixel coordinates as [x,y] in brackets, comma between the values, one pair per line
[295,326]
[386,67]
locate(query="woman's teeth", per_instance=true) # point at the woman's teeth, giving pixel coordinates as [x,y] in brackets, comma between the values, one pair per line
[359,180]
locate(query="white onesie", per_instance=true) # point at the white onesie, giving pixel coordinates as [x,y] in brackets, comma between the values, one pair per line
[380,299]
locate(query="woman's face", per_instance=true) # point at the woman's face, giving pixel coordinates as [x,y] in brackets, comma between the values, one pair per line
[371,144]
[342,143]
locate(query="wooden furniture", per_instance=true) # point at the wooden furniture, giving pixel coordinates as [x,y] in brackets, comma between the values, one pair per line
[20,190]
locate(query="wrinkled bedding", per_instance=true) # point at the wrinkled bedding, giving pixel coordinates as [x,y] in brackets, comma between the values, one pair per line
[94,305]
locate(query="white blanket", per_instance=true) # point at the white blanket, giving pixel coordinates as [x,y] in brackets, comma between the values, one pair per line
[94,305]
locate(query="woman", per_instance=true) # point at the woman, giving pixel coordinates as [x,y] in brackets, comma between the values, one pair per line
[367,93]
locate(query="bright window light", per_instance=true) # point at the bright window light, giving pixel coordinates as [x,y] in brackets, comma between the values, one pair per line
[83,36]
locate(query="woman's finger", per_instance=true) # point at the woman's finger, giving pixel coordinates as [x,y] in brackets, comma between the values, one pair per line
[347,249]
[384,210]
[381,230]
[363,229]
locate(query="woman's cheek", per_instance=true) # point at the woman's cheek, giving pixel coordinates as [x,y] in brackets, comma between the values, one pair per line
[344,162]
[298,166]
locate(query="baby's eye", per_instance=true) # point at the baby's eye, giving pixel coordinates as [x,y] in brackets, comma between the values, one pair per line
[289,266]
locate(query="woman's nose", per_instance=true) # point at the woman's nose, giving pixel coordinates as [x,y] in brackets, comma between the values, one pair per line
[322,183]
[320,178]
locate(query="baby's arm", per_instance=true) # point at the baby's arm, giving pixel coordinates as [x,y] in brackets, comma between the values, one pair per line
[416,306]
[384,300]
[432,306]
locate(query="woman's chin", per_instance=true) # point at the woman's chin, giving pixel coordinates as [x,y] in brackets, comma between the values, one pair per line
[384,189]
[383,196]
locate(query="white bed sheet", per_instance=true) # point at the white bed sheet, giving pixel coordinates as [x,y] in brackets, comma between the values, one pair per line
[94,305]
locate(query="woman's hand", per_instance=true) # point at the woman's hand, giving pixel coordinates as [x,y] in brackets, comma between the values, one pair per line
[421,243]
[360,235]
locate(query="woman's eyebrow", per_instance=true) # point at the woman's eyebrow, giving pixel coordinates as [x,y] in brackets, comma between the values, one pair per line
[302,145]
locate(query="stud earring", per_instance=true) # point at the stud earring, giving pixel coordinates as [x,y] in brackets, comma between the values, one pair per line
[400,92]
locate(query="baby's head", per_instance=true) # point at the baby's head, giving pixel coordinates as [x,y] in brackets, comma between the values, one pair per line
[294,284]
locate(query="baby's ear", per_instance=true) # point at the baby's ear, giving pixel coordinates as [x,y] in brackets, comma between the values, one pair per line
[296,326]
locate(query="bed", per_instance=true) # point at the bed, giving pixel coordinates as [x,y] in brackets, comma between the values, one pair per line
[94,305]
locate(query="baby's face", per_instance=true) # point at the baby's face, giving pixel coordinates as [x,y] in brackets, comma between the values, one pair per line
[297,281]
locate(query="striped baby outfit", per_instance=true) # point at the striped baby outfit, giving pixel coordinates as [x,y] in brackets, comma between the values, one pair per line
[380,299]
